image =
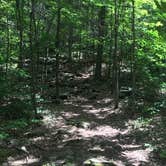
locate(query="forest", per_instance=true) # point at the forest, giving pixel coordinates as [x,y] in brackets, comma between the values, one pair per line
[82,82]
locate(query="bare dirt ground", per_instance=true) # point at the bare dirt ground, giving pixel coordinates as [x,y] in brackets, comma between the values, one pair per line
[85,129]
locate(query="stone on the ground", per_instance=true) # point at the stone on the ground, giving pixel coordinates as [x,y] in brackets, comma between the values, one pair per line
[98,162]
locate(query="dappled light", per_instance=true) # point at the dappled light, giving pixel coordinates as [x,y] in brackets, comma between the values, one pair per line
[25,161]
[137,156]
[106,131]
[82,83]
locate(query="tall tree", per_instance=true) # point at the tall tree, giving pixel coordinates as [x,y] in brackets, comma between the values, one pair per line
[101,28]
[57,46]
[19,16]
[115,70]
[133,55]
[32,56]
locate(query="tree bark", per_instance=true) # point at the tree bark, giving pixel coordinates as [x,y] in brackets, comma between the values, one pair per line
[32,56]
[133,55]
[115,70]
[8,44]
[101,25]
[70,43]
[57,42]
[19,16]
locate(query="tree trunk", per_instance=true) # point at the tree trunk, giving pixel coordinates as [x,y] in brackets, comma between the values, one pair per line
[70,43]
[133,55]
[111,46]
[102,15]
[57,42]
[8,44]
[19,16]
[32,67]
[115,70]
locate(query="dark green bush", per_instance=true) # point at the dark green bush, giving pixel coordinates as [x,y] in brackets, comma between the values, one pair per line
[16,109]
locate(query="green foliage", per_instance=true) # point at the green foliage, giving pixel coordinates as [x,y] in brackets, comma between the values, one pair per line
[16,124]
[163,154]
[4,153]
[141,122]
[150,146]
[150,110]
[3,88]
[3,135]
[13,128]
[16,109]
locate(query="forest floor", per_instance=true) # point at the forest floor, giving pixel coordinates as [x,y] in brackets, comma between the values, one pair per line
[85,129]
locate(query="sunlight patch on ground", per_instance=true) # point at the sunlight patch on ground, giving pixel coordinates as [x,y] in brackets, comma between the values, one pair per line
[96,148]
[106,131]
[93,111]
[86,75]
[78,99]
[69,115]
[52,121]
[126,146]
[88,106]
[105,101]
[137,156]
[101,160]
[99,113]
[36,139]
[126,131]
[24,161]
[72,130]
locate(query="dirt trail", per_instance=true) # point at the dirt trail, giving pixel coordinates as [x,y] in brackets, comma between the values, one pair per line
[85,129]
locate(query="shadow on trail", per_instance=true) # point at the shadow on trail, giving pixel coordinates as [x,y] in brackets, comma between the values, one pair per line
[83,127]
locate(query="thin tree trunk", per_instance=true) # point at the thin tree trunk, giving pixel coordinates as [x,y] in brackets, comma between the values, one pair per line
[98,70]
[32,67]
[8,44]
[133,54]
[111,47]
[70,43]
[57,49]
[115,60]
[19,14]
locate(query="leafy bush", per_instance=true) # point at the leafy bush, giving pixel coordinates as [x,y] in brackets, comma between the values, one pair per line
[16,109]
[163,154]
[17,124]
[3,135]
